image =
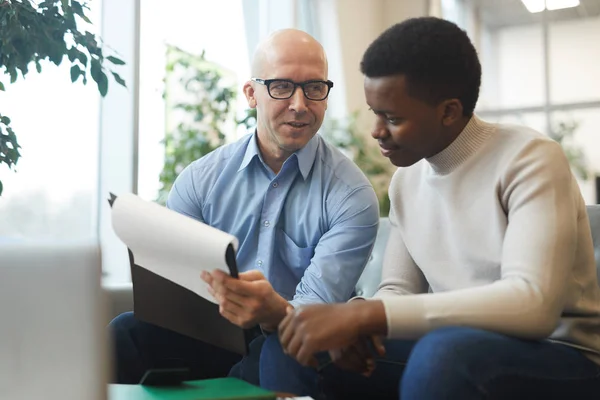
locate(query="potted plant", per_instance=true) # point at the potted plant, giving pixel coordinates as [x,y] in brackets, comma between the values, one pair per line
[199,99]
[32,33]
[345,134]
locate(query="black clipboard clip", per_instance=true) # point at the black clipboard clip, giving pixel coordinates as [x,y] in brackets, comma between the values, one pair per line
[112,199]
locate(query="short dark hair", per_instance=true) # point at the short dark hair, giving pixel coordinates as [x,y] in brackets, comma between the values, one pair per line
[436,57]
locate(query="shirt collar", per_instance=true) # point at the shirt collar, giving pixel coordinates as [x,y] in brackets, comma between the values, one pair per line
[251,152]
[305,156]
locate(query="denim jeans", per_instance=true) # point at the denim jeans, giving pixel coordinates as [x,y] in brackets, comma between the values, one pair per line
[449,363]
[139,346]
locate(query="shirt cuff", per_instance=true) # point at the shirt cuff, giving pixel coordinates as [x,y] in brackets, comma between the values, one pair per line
[303,302]
[357,298]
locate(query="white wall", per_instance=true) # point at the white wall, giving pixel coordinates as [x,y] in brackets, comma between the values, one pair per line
[520,67]
[358,23]
[488,54]
[575,61]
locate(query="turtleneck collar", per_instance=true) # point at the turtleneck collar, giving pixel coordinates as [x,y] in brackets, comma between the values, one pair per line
[475,133]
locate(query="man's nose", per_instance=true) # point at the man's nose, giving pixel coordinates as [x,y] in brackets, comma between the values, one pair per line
[298,101]
[379,130]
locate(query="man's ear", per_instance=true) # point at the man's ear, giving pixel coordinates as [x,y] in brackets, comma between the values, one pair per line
[452,111]
[250,95]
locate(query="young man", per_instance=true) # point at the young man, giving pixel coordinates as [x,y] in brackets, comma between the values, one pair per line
[305,216]
[489,282]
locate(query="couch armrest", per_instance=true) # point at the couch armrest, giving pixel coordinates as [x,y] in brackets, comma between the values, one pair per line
[120,298]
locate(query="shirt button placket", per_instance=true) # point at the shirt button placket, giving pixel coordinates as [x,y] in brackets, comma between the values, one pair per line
[265,233]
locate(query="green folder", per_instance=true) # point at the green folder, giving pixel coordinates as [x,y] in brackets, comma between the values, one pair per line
[213,389]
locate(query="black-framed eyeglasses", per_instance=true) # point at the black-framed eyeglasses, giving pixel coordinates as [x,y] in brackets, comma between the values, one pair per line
[282,89]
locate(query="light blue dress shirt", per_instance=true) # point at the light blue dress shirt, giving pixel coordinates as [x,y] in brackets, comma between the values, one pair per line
[309,229]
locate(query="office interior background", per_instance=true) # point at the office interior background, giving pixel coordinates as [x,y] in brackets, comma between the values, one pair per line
[540,68]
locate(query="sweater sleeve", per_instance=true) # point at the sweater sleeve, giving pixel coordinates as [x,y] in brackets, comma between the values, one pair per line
[538,252]
[400,275]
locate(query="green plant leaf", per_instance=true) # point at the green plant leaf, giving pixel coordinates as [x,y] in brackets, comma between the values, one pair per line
[2,87]
[12,137]
[5,120]
[95,69]
[46,4]
[99,77]
[115,60]
[75,72]
[82,58]
[118,79]
[102,84]
[71,54]
[13,75]
[56,54]
[78,9]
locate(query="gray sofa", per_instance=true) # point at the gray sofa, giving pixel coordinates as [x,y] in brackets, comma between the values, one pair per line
[121,297]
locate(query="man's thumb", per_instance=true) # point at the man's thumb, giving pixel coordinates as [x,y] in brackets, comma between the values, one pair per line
[252,275]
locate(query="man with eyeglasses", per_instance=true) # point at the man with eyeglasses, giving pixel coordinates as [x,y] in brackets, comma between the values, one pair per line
[305,216]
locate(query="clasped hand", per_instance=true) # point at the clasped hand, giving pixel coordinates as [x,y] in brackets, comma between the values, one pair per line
[329,327]
[248,300]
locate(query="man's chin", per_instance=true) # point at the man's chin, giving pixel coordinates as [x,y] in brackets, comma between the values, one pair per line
[403,162]
[295,143]
[292,146]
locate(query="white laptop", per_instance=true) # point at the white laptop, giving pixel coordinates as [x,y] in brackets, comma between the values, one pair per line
[52,333]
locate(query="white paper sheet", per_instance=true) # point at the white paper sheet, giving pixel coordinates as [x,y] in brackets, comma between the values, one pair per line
[170,244]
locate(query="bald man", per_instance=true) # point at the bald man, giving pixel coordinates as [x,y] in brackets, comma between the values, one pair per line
[305,216]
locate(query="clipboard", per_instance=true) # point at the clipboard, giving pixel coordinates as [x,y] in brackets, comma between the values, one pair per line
[165,303]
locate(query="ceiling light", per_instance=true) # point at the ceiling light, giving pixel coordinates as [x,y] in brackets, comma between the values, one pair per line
[560,4]
[535,6]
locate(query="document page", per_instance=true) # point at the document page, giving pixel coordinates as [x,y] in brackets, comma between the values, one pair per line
[170,244]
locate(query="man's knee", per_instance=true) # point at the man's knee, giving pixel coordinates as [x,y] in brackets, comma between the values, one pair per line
[122,321]
[451,348]
[271,352]
[270,356]
[120,330]
[280,372]
[454,355]
[127,363]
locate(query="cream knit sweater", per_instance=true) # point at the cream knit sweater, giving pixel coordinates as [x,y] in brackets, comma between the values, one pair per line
[495,228]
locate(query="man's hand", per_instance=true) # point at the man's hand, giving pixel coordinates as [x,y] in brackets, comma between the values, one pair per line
[322,327]
[360,356]
[247,301]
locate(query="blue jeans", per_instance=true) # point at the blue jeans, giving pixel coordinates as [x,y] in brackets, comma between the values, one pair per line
[449,363]
[139,346]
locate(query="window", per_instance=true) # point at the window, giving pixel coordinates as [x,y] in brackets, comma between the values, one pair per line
[539,69]
[53,193]
[219,31]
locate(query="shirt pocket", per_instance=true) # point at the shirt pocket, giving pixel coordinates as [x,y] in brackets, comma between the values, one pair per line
[295,257]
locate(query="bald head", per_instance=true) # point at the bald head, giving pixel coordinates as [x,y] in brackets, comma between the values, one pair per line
[284,46]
